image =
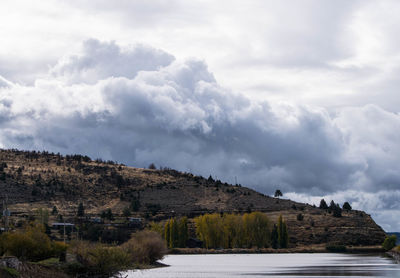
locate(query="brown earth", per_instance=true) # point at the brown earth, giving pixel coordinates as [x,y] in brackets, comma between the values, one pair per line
[35,180]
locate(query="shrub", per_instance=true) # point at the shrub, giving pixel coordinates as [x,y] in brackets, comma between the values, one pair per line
[145,247]
[98,260]
[336,248]
[389,242]
[300,217]
[31,244]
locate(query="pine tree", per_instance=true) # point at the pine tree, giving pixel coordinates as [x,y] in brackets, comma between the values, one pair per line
[81,210]
[347,206]
[274,237]
[54,211]
[323,204]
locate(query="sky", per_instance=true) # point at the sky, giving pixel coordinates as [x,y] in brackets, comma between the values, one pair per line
[296,95]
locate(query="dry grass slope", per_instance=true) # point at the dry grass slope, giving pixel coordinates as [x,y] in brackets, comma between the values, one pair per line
[43,180]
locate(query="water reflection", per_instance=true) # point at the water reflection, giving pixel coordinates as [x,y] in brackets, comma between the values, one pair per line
[273,265]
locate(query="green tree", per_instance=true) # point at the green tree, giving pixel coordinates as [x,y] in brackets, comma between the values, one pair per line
[109,214]
[183,232]
[278,193]
[274,237]
[54,211]
[167,231]
[174,233]
[43,216]
[337,211]
[323,204]
[347,206]
[135,204]
[81,210]
[126,212]
[389,242]
[283,237]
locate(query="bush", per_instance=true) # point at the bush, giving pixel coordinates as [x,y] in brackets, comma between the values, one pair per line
[145,247]
[336,248]
[389,242]
[31,244]
[98,259]
[300,217]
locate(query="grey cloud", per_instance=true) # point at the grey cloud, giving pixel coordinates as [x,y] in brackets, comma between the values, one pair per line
[175,114]
[100,60]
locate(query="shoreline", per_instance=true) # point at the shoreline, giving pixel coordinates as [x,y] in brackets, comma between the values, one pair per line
[299,249]
[395,254]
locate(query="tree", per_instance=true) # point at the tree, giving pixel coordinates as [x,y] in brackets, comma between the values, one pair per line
[323,204]
[108,214]
[278,193]
[390,242]
[332,205]
[274,237]
[43,215]
[54,211]
[81,210]
[183,232]
[347,206]
[135,204]
[174,233]
[337,211]
[167,231]
[152,166]
[126,212]
[283,237]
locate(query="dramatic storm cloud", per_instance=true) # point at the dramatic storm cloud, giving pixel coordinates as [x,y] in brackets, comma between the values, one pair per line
[297,95]
[139,105]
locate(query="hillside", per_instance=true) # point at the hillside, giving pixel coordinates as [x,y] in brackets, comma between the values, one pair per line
[32,180]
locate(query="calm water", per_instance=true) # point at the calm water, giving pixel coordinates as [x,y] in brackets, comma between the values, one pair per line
[273,265]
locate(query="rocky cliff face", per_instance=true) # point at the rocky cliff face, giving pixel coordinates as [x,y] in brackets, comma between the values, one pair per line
[41,180]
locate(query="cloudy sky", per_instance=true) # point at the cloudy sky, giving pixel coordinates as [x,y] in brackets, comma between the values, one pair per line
[297,95]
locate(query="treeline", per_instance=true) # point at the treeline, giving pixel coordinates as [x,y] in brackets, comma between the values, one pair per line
[241,231]
[334,208]
[176,232]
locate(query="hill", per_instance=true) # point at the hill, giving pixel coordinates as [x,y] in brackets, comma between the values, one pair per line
[32,180]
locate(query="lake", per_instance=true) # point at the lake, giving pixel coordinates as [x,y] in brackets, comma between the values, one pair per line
[273,265]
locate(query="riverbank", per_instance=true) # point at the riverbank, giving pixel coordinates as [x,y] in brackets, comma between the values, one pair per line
[320,248]
[395,253]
